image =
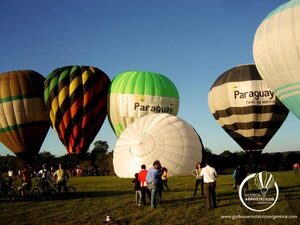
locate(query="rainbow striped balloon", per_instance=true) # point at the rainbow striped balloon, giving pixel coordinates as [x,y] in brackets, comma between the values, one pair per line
[23,118]
[76,98]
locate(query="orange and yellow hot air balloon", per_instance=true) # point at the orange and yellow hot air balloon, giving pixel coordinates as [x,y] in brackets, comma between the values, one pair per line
[23,118]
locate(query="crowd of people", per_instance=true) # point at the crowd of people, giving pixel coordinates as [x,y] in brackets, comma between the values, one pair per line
[152,182]
[46,176]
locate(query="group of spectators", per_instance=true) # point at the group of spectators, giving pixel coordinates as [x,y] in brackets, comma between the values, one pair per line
[150,182]
[78,171]
[45,175]
[206,176]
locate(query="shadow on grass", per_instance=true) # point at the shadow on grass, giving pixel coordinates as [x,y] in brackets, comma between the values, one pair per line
[71,196]
[198,200]
[294,188]
[91,194]
[181,201]
[292,197]
[96,194]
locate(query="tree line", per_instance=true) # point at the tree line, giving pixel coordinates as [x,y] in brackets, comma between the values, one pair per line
[227,161]
[99,161]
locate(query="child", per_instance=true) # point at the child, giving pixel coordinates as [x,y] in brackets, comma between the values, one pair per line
[164,178]
[137,189]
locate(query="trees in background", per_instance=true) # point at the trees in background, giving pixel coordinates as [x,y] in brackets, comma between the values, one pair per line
[227,161]
[99,160]
[99,152]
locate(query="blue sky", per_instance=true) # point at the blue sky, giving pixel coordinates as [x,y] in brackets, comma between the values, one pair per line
[192,42]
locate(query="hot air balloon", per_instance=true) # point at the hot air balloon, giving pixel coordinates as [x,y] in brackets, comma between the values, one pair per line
[134,94]
[162,137]
[76,98]
[23,118]
[276,53]
[245,107]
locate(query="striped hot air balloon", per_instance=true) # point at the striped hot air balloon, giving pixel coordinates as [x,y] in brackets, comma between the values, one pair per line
[276,53]
[76,98]
[134,94]
[161,136]
[23,118]
[245,107]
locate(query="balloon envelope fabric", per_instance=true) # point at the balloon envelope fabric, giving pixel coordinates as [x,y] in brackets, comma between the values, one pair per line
[76,98]
[134,94]
[276,53]
[245,107]
[23,119]
[158,136]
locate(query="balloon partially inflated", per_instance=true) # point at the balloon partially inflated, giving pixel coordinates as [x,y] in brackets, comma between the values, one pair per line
[245,107]
[276,53]
[23,118]
[76,101]
[165,137]
[134,94]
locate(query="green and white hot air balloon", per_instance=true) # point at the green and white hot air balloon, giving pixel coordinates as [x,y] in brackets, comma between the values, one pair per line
[277,53]
[134,94]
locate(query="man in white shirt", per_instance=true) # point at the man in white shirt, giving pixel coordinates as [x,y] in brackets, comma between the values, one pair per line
[10,178]
[209,176]
[45,177]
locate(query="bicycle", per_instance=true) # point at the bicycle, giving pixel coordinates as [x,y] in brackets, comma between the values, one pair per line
[23,192]
[43,190]
[68,190]
[11,193]
[7,190]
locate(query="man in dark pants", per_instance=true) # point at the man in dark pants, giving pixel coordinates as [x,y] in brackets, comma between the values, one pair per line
[154,181]
[239,174]
[209,176]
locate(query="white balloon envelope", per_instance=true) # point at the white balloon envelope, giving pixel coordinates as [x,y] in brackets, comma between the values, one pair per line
[276,53]
[162,137]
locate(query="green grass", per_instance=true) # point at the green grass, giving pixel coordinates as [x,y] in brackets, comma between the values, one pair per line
[98,196]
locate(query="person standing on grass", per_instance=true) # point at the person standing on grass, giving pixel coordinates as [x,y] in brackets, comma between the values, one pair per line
[62,178]
[164,178]
[296,167]
[137,189]
[45,177]
[239,174]
[154,181]
[209,176]
[144,184]
[199,179]
[10,174]
[26,175]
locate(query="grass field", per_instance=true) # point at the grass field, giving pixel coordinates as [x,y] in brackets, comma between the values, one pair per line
[98,196]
